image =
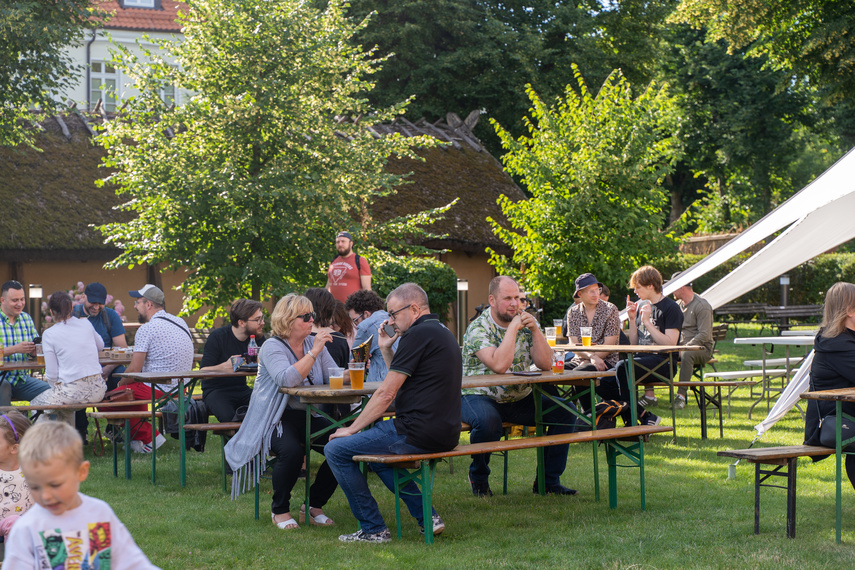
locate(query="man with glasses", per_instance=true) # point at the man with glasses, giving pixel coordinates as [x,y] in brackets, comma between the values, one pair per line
[223,396]
[162,344]
[366,310]
[17,332]
[424,382]
[507,339]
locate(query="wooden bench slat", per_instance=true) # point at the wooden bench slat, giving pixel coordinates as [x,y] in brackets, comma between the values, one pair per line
[774,361]
[225,426]
[122,415]
[734,374]
[521,443]
[769,454]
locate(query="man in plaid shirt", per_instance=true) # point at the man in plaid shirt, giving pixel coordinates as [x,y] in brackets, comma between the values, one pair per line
[17,332]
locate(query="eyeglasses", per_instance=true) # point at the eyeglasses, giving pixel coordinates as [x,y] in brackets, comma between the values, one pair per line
[358,319]
[258,320]
[306,317]
[393,313]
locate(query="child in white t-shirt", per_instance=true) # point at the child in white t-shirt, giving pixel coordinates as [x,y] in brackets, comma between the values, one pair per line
[65,528]
[14,494]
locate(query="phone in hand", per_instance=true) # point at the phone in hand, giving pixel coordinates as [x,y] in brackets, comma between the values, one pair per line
[389,330]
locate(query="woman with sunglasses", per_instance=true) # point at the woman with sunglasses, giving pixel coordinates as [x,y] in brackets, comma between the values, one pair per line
[275,423]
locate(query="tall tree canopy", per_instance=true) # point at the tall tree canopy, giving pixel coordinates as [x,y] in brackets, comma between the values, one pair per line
[811,37]
[34,67]
[593,164]
[247,183]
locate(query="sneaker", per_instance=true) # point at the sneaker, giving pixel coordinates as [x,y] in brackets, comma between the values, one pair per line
[651,420]
[679,402]
[438,526]
[647,401]
[140,447]
[113,433]
[558,489]
[480,489]
[362,536]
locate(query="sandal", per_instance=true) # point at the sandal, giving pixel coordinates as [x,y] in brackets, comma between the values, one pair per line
[289,524]
[319,520]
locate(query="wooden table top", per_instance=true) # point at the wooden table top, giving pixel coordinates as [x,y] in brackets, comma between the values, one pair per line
[842,394]
[167,377]
[635,348]
[323,391]
[778,340]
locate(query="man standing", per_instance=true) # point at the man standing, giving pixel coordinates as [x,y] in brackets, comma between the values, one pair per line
[18,332]
[223,396]
[507,339]
[697,331]
[366,310]
[424,382]
[348,272]
[162,344]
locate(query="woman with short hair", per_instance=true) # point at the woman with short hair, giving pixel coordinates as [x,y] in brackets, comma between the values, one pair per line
[275,423]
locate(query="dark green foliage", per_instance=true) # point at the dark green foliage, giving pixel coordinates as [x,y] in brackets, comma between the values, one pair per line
[437,279]
[34,67]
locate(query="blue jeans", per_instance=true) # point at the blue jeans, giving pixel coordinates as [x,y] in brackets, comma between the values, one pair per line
[25,390]
[486,415]
[382,439]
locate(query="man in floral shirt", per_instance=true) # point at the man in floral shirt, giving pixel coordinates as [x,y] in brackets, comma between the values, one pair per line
[507,339]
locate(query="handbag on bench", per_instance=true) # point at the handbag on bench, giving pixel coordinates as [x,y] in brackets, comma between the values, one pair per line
[119,395]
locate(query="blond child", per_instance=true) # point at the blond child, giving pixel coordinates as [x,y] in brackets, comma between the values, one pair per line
[14,494]
[65,528]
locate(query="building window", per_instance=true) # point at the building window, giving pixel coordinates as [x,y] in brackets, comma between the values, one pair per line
[102,85]
[167,94]
[140,3]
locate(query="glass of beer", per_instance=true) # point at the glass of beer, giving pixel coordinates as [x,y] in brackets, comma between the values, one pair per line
[336,378]
[357,375]
[550,335]
[40,355]
[586,335]
[558,323]
[558,363]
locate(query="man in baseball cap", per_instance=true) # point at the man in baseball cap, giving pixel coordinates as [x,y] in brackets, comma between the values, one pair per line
[150,292]
[348,272]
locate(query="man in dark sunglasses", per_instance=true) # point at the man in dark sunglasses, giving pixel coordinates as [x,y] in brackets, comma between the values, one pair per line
[424,380]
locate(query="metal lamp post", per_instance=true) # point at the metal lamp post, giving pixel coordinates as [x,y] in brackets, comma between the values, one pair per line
[462,307]
[36,295]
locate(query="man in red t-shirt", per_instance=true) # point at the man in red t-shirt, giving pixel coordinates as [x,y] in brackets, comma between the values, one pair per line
[348,272]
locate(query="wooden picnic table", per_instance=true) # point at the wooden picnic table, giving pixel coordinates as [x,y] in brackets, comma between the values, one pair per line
[837,396]
[315,396]
[166,378]
[773,341]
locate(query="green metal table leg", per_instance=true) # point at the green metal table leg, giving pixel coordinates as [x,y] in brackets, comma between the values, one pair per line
[182,448]
[838,410]
[153,436]
[541,456]
[399,480]
[427,470]
[127,448]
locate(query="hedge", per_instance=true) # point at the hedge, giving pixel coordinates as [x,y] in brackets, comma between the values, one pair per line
[437,279]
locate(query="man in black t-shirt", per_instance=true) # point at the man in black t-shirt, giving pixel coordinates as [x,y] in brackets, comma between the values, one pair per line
[654,319]
[224,395]
[424,381]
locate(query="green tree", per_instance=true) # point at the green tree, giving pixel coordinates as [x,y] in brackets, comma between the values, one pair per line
[247,183]
[593,165]
[34,67]
[811,37]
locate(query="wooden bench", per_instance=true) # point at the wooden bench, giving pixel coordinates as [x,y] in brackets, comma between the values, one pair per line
[747,313]
[785,458]
[424,464]
[123,418]
[774,362]
[779,317]
[200,337]
[225,430]
[762,375]
[706,399]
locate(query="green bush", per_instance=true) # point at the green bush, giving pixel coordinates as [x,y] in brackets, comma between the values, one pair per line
[437,279]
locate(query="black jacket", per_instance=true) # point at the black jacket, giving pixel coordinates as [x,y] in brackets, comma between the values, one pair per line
[833,367]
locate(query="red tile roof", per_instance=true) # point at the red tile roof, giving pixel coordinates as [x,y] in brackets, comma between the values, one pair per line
[163,19]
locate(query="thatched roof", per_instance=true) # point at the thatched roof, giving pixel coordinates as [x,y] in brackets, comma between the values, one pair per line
[51,201]
[50,198]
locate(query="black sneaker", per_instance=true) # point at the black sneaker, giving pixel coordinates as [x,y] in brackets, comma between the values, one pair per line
[480,489]
[651,420]
[558,489]
[438,526]
[361,536]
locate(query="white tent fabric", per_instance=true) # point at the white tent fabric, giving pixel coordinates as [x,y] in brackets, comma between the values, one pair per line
[789,397]
[833,184]
[825,227]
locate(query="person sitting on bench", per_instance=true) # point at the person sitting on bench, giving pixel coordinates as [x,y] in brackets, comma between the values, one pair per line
[696,331]
[833,367]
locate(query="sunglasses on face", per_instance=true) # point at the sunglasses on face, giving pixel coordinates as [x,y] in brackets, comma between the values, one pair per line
[306,317]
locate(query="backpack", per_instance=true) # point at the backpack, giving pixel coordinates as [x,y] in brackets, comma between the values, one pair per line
[607,413]
[358,265]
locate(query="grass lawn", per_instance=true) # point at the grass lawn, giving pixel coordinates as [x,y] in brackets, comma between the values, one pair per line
[695,517]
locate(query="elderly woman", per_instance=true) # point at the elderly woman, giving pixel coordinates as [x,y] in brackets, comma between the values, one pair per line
[277,424]
[72,368]
[833,367]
